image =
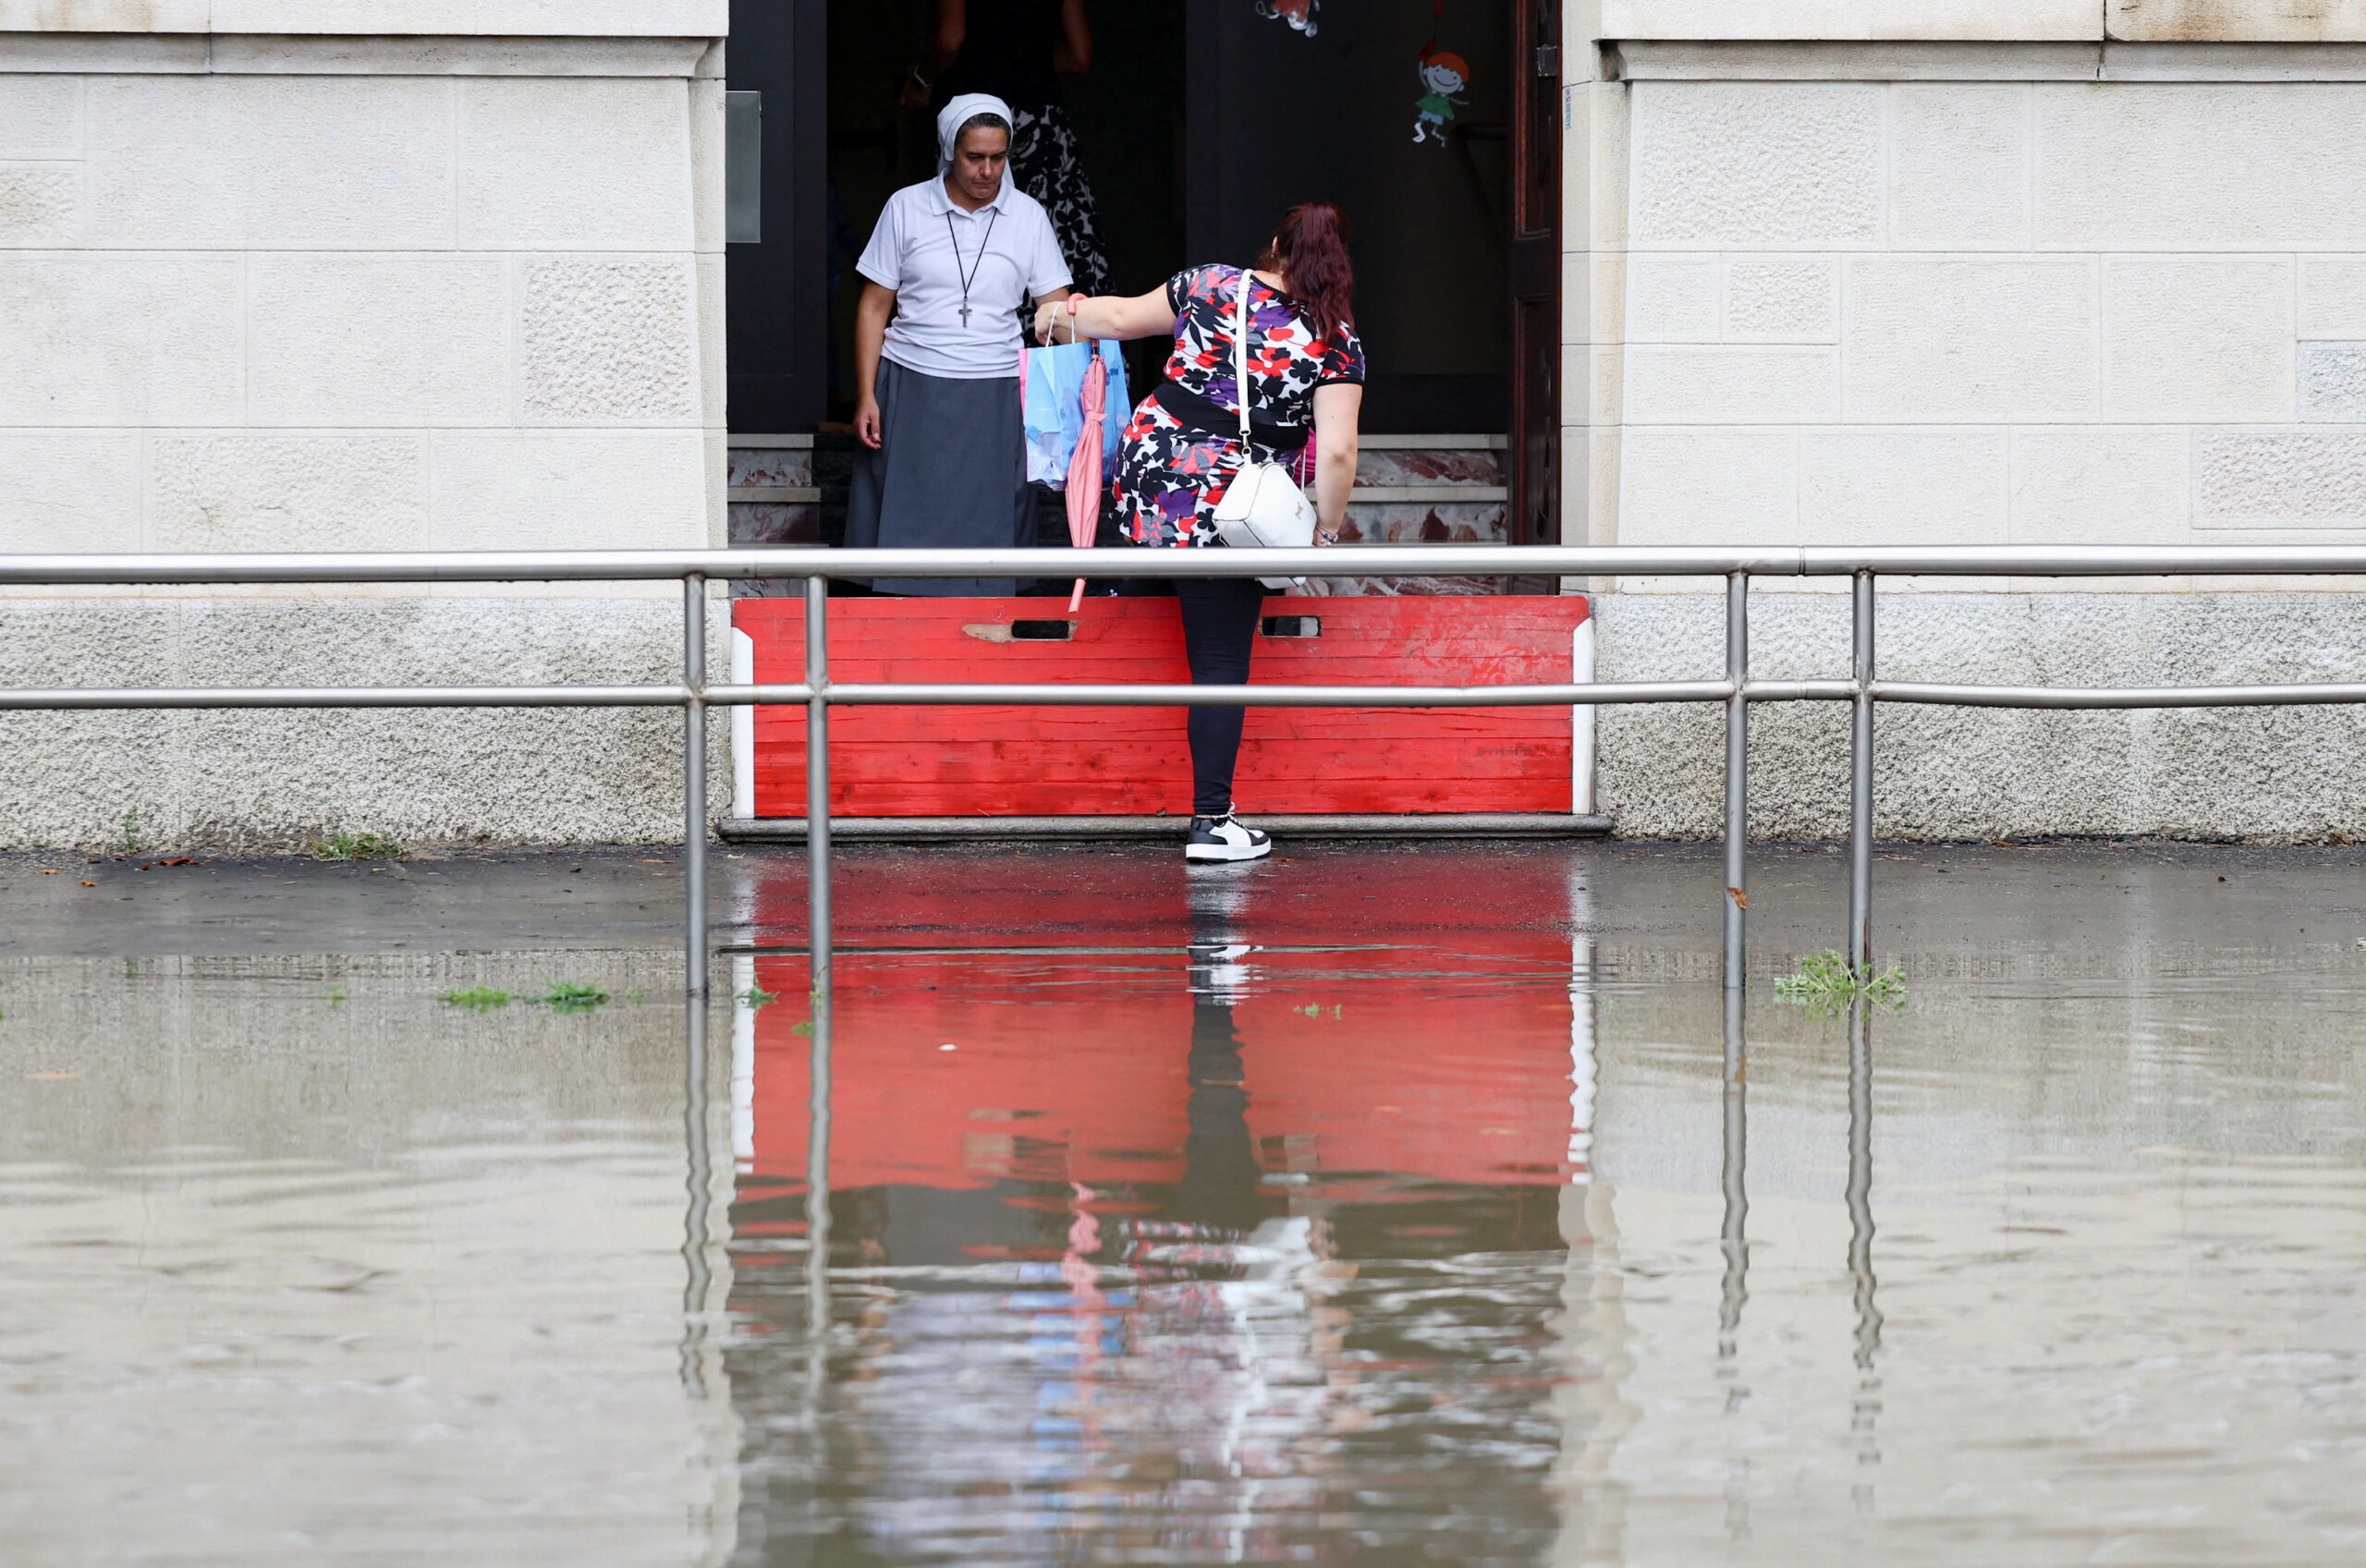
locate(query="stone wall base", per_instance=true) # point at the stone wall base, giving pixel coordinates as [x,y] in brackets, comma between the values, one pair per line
[2287,775]
[287,778]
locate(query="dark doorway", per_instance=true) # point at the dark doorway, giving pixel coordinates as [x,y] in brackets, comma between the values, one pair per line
[1199,124]
[1279,117]
[775,334]
[1127,112]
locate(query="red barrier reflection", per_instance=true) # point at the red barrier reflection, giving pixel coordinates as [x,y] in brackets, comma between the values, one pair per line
[1412,1044]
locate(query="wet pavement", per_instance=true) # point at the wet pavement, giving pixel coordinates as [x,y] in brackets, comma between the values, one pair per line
[1374,1205]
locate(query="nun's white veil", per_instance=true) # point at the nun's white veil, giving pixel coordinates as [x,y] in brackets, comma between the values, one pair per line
[958,112]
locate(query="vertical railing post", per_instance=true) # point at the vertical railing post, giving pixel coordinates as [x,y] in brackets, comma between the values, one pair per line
[694,783]
[1860,785]
[1736,773]
[817,781]
[817,884]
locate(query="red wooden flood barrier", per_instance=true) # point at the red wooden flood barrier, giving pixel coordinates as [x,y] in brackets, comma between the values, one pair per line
[949,762]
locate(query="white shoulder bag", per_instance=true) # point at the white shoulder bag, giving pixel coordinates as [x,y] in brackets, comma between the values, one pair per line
[1263,507]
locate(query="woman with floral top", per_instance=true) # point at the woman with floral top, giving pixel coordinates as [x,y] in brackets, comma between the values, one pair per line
[1306,372]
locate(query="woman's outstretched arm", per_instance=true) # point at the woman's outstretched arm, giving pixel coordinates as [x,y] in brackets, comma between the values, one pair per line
[1144,315]
[1336,409]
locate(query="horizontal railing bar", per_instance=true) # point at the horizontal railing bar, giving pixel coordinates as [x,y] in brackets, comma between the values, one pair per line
[347,697]
[651,566]
[2296,695]
[1796,691]
[1392,560]
[1077,695]
[2081,560]
[1066,695]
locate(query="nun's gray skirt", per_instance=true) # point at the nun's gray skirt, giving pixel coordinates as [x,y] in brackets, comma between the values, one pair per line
[950,473]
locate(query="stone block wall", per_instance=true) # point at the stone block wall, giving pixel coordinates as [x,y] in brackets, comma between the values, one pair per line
[1852,272]
[1936,312]
[369,275]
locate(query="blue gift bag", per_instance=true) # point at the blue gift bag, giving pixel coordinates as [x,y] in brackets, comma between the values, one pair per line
[1053,402]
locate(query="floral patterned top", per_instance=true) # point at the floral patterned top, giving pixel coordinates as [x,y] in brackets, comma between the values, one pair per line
[1171,476]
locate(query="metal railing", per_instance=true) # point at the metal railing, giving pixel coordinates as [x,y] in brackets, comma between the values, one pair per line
[817,693]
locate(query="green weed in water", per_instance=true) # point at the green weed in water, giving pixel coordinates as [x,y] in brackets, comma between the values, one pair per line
[357,846]
[1825,985]
[559,996]
[572,996]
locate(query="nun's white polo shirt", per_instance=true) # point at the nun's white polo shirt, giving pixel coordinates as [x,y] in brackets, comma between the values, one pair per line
[1008,241]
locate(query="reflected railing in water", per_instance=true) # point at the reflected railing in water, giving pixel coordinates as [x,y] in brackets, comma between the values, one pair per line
[1865,1411]
[1732,1235]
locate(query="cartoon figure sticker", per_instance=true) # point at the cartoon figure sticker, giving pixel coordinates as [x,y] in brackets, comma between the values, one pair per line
[1299,14]
[1443,74]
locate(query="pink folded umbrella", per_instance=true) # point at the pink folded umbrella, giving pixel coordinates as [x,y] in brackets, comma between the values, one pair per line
[1084,470]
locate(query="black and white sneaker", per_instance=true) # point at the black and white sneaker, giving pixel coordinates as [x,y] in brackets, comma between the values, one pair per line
[1224,838]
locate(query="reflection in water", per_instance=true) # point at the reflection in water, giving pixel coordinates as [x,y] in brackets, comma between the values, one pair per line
[299,1266]
[1733,1235]
[1733,1242]
[1866,1409]
[1293,1290]
[817,1183]
[1219,1189]
[698,1221]
[1185,1221]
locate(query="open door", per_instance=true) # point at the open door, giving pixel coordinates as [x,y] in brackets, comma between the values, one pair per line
[1534,456]
[1275,115]
[776,278]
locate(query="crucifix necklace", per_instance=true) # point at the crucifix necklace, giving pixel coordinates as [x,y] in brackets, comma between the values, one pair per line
[976,262]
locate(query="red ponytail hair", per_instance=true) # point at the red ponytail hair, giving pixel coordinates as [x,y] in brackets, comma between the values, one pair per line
[1311,249]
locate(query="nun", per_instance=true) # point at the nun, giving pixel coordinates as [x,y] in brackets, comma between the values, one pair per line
[937,339]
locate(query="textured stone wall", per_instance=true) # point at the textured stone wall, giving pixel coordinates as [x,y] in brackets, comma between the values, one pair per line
[1973,312]
[2280,775]
[447,291]
[289,777]
[1869,273]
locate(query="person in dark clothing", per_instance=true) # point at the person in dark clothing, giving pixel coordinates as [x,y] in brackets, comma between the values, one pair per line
[1017,51]
[1183,449]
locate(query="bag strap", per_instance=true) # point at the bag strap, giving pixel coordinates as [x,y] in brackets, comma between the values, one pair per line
[1240,361]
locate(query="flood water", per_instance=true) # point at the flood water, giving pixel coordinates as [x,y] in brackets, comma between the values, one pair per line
[1371,1206]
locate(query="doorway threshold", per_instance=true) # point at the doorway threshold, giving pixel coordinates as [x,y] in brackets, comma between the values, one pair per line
[943,830]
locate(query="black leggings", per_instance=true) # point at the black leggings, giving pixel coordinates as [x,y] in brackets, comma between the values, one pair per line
[1219,630]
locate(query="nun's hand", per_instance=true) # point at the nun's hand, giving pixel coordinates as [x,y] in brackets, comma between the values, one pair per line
[867,423]
[1047,316]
